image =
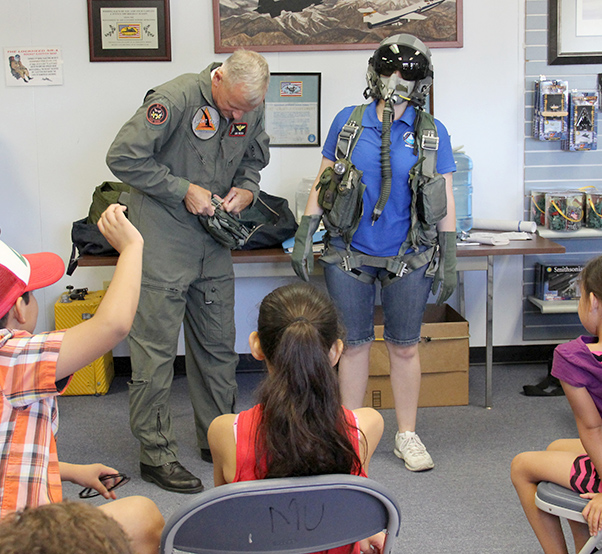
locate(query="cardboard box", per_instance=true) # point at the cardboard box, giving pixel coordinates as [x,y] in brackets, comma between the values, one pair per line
[95,378]
[443,357]
[557,282]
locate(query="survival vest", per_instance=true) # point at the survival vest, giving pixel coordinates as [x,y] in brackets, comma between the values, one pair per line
[340,196]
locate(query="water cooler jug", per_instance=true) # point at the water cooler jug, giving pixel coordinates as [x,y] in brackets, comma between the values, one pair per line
[462,187]
[301,196]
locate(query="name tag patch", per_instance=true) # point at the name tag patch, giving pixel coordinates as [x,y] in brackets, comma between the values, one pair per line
[205,122]
[238,129]
[157,114]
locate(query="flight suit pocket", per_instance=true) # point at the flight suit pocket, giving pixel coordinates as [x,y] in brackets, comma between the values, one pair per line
[213,315]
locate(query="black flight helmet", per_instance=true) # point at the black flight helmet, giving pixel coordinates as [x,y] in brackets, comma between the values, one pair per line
[408,55]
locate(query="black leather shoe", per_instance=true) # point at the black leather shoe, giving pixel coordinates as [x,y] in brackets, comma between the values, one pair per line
[172,476]
[206,455]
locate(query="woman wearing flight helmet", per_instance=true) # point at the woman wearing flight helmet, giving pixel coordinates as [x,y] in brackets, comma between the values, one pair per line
[408,252]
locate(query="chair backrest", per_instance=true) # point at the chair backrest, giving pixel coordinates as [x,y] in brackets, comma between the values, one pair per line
[296,515]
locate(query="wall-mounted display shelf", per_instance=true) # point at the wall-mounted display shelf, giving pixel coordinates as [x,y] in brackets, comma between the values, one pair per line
[583,233]
[555,306]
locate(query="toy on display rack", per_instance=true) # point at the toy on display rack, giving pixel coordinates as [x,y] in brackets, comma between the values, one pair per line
[593,210]
[564,210]
[550,110]
[538,206]
[582,122]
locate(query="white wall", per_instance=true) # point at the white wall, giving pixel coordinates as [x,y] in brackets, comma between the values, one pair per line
[53,140]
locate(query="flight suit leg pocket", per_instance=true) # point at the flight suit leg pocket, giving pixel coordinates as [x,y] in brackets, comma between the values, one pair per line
[216,313]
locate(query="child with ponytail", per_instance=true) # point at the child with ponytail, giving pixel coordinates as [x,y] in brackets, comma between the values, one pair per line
[299,426]
[572,463]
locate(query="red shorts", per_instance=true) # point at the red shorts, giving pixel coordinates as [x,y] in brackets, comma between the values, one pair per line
[584,477]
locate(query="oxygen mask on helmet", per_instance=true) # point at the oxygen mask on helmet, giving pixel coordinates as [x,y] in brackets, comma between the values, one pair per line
[395,88]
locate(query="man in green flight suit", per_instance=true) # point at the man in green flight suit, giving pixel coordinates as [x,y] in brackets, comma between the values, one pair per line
[195,137]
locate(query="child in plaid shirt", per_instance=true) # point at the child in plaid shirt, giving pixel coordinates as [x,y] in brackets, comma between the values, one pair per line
[34,368]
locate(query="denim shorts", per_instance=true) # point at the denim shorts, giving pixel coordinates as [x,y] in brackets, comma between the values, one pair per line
[403,301]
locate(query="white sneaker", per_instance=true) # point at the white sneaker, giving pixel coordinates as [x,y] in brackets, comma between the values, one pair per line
[410,449]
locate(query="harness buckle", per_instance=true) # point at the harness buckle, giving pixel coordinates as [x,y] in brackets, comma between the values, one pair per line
[403,269]
[346,263]
[430,141]
[346,137]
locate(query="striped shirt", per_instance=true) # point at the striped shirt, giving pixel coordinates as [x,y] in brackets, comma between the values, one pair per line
[29,467]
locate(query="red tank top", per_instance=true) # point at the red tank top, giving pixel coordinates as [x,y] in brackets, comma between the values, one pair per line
[245,430]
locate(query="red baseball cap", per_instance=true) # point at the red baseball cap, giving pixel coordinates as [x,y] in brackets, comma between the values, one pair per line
[19,274]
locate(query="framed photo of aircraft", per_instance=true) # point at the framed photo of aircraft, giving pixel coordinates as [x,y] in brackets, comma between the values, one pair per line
[129,30]
[295,25]
[574,32]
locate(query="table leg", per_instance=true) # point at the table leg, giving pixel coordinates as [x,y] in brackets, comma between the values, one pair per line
[461,298]
[489,334]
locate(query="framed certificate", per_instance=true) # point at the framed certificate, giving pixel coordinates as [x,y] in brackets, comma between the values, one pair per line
[292,109]
[129,30]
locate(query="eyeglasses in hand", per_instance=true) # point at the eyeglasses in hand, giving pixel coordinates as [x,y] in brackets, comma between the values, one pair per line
[120,479]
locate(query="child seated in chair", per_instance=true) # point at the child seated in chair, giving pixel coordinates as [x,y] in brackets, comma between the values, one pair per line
[34,369]
[572,463]
[299,427]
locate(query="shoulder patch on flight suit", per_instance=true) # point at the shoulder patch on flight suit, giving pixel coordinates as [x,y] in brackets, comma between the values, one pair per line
[205,122]
[156,114]
[238,129]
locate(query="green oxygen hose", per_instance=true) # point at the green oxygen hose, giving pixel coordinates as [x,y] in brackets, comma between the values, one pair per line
[385,161]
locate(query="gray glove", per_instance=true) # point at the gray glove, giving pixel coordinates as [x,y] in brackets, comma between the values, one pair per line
[446,271]
[302,258]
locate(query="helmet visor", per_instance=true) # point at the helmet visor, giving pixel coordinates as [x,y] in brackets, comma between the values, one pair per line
[411,64]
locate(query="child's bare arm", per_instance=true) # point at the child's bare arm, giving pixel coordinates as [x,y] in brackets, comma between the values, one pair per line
[85,342]
[223,448]
[589,422]
[372,425]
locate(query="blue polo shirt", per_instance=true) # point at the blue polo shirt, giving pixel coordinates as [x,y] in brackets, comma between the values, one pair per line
[386,236]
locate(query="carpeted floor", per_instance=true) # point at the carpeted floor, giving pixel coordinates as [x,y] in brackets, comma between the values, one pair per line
[465,504]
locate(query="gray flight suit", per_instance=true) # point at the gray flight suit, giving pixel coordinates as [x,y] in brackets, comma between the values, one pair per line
[175,138]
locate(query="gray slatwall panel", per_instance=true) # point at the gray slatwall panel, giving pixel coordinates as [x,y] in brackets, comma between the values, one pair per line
[537,64]
[546,166]
[536,7]
[541,156]
[537,36]
[536,53]
[568,173]
[536,22]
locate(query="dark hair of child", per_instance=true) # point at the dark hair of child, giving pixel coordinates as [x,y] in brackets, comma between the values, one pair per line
[303,430]
[591,277]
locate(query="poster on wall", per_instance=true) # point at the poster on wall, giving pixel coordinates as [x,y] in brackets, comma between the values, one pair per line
[33,66]
[285,25]
[292,109]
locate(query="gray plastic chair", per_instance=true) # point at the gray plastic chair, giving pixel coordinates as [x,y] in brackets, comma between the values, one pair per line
[294,515]
[566,503]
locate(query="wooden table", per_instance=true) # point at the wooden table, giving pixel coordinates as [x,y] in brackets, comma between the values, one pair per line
[274,261]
